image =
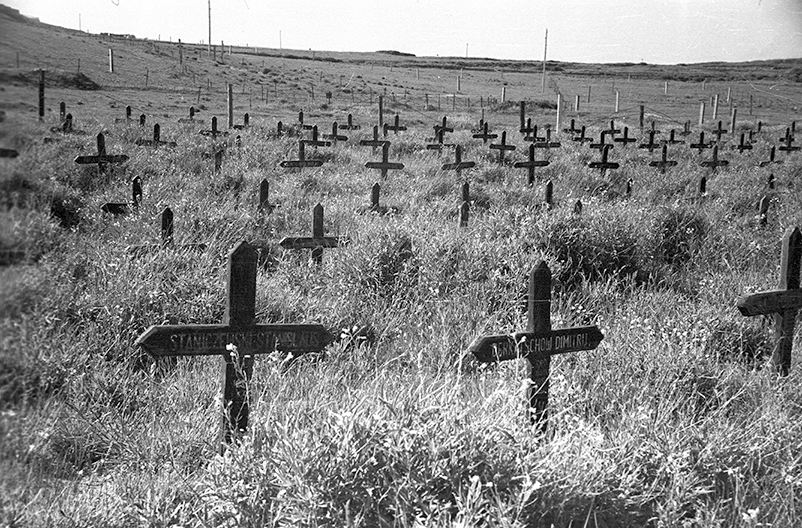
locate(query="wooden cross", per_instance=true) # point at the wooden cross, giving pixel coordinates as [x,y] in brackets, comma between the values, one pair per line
[441,129]
[350,124]
[601,145]
[301,121]
[671,139]
[701,145]
[719,132]
[532,134]
[317,242]
[664,162]
[438,137]
[214,132]
[741,146]
[788,140]
[653,129]
[239,329]
[772,154]
[612,130]
[385,164]
[531,164]
[156,141]
[315,142]
[572,129]
[783,303]
[458,164]
[142,119]
[624,139]
[191,118]
[527,129]
[686,129]
[502,147]
[375,142]
[101,159]
[334,136]
[66,126]
[121,208]
[246,121]
[537,344]
[167,238]
[301,162]
[548,143]
[651,144]
[714,163]
[603,165]
[396,126]
[582,138]
[484,135]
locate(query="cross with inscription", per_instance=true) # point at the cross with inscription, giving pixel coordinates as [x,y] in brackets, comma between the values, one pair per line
[664,162]
[349,125]
[385,164]
[502,147]
[537,344]
[701,145]
[772,154]
[239,329]
[301,162]
[531,164]
[714,162]
[101,159]
[317,241]
[624,139]
[782,303]
[603,165]
[484,135]
[375,142]
[458,164]
[156,141]
[742,145]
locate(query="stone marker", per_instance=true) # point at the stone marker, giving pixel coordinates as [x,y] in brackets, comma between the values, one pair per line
[502,147]
[101,159]
[458,164]
[664,162]
[156,141]
[240,330]
[714,162]
[782,303]
[317,241]
[301,162]
[537,344]
[384,165]
[603,165]
[531,164]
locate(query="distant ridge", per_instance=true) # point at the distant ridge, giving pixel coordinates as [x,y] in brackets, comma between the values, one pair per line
[397,53]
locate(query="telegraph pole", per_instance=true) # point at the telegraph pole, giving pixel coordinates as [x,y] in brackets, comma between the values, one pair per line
[209,45]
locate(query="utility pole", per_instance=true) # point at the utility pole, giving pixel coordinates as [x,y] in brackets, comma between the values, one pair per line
[545,49]
[210,27]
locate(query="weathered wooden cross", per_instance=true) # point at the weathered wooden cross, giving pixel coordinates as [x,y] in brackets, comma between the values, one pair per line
[502,147]
[349,125]
[742,145]
[701,145]
[582,138]
[547,143]
[782,303]
[301,121]
[101,159]
[334,136]
[301,162]
[719,132]
[167,238]
[714,162]
[625,139]
[156,141]
[315,141]
[484,135]
[612,130]
[531,164]
[572,129]
[385,164]
[121,208]
[671,139]
[788,139]
[237,340]
[396,126]
[317,242]
[375,142]
[458,164]
[772,154]
[651,145]
[246,122]
[8,153]
[531,135]
[214,132]
[664,162]
[603,165]
[537,344]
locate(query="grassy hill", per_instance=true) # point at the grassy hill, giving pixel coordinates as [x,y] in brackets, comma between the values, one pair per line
[676,419]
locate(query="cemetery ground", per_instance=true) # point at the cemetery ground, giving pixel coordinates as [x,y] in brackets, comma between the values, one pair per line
[676,418]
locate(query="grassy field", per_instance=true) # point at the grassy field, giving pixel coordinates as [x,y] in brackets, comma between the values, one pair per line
[673,421]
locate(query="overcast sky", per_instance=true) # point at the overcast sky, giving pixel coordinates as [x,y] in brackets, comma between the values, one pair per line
[654,31]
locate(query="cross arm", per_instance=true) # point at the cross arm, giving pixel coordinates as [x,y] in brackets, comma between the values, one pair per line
[311,242]
[770,302]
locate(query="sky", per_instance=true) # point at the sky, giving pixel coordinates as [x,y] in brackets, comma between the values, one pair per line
[653,31]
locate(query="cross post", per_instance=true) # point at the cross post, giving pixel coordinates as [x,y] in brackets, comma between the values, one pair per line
[603,165]
[301,162]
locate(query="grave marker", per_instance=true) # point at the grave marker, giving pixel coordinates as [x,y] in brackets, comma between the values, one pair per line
[349,125]
[156,141]
[548,143]
[719,132]
[301,162]
[537,344]
[548,194]
[714,162]
[246,122]
[582,138]
[782,303]
[214,132]
[531,165]
[741,146]
[315,142]
[385,164]
[601,145]
[572,129]
[8,153]
[121,208]
[763,210]
[502,147]
[771,158]
[396,126]
[651,145]
[612,130]
[625,139]
[166,239]
[317,242]
[701,145]
[664,162]
[531,134]
[671,139]
[334,136]
[239,329]
[375,142]
[789,138]
[458,164]
[484,135]
[101,159]
[603,165]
